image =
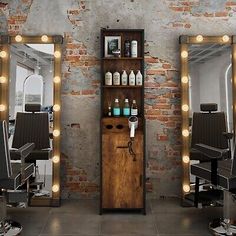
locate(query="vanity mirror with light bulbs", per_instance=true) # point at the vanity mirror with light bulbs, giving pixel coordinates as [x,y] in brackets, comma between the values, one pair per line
[30,73]
[208,76]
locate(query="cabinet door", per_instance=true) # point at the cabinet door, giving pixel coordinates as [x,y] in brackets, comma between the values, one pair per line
[122,177]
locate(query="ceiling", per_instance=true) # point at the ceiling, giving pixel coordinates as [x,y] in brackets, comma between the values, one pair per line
[200,53]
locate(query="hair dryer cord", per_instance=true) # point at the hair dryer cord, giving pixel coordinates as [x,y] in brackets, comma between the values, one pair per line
[131,151]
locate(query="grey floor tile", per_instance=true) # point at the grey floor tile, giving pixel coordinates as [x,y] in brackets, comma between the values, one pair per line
[79,207]
[69,223]
[124,224]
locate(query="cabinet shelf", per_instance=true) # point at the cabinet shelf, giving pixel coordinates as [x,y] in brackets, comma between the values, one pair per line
[122,58]
[123,86]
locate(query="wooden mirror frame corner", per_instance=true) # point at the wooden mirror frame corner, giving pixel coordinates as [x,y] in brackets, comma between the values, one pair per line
[57,40]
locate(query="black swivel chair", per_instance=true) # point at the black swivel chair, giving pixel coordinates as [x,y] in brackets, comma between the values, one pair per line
[13,176]
[32,126]
[208,127]
[222,174]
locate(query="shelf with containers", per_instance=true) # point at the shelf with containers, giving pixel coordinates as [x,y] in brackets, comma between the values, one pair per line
[125,194]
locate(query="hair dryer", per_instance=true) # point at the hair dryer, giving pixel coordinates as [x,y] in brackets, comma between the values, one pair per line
[133,124]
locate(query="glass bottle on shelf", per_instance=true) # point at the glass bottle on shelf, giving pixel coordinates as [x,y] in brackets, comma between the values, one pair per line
[116,108]
[134,108]
[124,78]
[127,52]
[131,78]
[108,78]
[116,78]
[139,78]
[126,108]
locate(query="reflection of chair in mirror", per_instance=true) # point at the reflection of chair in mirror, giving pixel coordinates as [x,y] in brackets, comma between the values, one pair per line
[12,177]
[208,127]
[222,174]
[33,126]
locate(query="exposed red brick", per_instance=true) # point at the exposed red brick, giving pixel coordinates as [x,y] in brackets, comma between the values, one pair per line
[221,14]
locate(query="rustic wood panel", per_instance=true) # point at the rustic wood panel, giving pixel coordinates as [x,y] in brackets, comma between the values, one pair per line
[122,177]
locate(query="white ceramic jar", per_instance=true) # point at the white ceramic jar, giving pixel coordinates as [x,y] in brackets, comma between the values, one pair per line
[124,78]
[131,78]
[108,78]
[134,48]
[139,78]
[116,78]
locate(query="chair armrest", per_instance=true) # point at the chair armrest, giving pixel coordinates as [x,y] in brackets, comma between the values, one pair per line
[23,152]
[214,154]
[211,152]
[228,135]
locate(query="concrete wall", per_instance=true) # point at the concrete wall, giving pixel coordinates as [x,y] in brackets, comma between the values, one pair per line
[80,23]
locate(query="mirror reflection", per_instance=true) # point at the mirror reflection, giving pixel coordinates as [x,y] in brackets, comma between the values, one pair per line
[30,109]
[210,100]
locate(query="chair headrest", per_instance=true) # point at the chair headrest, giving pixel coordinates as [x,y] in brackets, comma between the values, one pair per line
[32,107]
[208,107]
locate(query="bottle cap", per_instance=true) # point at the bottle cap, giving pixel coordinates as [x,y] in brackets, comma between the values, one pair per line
[126,100]
[116,100]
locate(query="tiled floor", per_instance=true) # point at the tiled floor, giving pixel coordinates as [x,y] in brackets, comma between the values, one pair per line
[80,217]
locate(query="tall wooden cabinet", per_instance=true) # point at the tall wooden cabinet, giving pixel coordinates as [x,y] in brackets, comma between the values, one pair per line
[122,175]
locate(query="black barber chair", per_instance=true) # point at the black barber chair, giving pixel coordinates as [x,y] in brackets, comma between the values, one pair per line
[32,126]
[208,127]
[222,174]
[12,177]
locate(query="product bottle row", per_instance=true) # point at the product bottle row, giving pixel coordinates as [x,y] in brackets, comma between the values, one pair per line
[126,110]
[124,79]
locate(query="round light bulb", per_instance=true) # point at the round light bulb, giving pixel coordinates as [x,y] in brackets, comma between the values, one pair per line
[56,107]
[185,107]
[44,38]
[3,54]
[56,133]
[186,159]
[184,54]
[225,38]
[56,159]
[199,38]
[3,80]
[184,79]
[57,54]
[55,188]
[185,133]
[186,188]
[2,107]
[56,79]
[18,38]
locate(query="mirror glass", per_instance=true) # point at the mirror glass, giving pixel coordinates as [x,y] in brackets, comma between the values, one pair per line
[210,81]
[31,82]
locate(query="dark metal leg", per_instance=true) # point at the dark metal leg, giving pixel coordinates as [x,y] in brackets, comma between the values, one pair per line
[196,195]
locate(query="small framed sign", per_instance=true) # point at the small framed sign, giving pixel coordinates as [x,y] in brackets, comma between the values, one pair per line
[112,43]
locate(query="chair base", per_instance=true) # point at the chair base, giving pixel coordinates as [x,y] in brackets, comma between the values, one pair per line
[217,227]
[10,228]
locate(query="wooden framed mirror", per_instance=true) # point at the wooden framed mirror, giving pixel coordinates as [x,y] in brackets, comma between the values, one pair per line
[208,75]
[30,73]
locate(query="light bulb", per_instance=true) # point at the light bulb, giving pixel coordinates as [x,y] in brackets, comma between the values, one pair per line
[56,79]
[2,107]
[44,38]
[18,38]
[199,38]
[185,133]
[186,159]
[185,107]
[56,159]
[3,54]
[56,107]
[184,54]
[57,54]
[55,188]
[56,133]
[225,38]
[186,188]
[184,79]
[3,79]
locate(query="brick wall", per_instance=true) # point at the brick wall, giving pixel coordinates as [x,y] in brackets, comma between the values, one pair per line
[80,22]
